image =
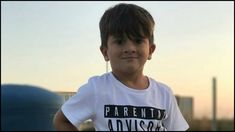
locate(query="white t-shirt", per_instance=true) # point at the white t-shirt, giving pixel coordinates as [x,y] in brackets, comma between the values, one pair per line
[112,106]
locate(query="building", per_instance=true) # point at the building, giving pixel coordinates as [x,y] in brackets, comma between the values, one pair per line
[66,95]
[186,107]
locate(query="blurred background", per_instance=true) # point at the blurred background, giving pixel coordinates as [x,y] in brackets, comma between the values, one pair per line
[55,45]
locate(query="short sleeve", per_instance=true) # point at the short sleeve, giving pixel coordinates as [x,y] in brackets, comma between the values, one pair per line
[81,106]
[175,120]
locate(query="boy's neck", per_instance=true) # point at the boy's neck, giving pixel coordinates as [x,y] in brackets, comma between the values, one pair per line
[135,80]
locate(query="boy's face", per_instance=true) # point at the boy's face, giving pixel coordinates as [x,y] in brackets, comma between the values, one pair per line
[127,56]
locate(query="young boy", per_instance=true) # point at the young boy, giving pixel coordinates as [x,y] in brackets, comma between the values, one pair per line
[124,99]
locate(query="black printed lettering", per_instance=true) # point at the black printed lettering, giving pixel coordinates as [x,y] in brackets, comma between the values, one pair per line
[134,118]
[110,125]
[143,113]
[119,125]
[141,124]
[150,126]
[127,111]
[128,124]
[107,109]
[136,128]
[158,127]
[116,112]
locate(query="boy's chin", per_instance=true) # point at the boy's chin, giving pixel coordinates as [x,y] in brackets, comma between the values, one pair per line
[131,70]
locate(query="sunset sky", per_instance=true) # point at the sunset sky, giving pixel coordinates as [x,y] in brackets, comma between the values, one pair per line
[55,45]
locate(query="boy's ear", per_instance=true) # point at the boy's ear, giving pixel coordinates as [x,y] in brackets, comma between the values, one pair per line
[151,50]
[104,53]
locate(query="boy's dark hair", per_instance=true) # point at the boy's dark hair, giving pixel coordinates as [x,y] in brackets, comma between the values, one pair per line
[126,19]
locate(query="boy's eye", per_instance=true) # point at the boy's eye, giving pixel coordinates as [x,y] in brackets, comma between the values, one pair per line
[118,41]
[139,40]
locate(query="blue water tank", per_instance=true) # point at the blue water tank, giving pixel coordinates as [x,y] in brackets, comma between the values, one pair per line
[28,108]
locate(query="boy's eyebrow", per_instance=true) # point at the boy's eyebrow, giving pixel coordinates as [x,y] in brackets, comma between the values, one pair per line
[117,37]
[127,36]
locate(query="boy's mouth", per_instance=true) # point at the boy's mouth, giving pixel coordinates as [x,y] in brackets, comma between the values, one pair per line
[129,57]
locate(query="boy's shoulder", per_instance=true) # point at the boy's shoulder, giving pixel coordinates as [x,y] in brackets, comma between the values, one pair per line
[97,80]
[102,77]
[160,86]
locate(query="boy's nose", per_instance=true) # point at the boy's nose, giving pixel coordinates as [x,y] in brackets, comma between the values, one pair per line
[130,47]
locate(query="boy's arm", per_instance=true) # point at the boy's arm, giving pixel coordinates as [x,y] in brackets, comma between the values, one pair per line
[61,123]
